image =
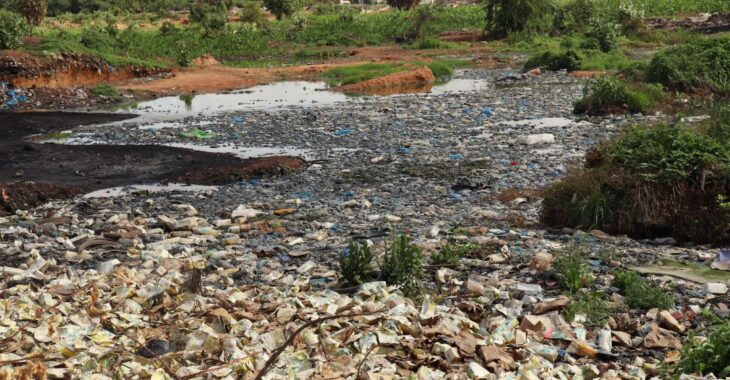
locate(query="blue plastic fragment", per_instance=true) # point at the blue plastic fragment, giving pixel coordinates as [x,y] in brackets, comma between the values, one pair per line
[405,150]
[487,112]
[343,132]
[456,156]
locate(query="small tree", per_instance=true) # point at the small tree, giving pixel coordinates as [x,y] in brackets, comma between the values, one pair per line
[11,30]
[507,16]
[212,15]
[33,10]
[281,8]
[403,4]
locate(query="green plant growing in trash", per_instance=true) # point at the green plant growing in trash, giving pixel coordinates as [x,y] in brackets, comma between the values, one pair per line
[106,90]
[707,356]
[59,136]
[640,293]
[450,254]
[571,268]
[356,264]
[723,201]
[402,265]
[188,100]
[592,305]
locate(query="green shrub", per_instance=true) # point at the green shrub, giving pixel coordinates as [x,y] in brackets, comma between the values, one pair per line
[702,65]
[402,265]
[610,95]
[510,16]
[356,264]
[603,35]
[574,16]
[251,12]
[34,11]
[711,356]
[282,8]
[551,60]
[211,17]
[671,153]
[639,293]
[12,30]
[571,268]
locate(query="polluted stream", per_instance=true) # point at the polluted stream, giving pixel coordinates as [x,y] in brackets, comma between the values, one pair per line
[228,272]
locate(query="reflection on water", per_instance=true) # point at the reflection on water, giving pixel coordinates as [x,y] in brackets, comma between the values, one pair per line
[248,152]
[160,113]
[157,188]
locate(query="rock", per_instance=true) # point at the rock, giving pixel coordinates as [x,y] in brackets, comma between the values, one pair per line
[543,138]
[552,305]
[716,288]
[666,320]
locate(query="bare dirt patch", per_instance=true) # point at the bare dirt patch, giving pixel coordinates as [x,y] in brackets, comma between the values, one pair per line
[64,70]
[702,23]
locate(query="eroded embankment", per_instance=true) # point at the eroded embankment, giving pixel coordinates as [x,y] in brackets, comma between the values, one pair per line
[31,173]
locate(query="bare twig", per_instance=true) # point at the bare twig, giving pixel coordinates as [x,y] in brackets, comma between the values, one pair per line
[362,361]
[37,355]
[275,355]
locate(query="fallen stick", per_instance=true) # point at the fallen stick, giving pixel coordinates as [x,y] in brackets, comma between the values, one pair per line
[275,355]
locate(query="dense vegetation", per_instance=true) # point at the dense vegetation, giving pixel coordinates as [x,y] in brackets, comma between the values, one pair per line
[665,179]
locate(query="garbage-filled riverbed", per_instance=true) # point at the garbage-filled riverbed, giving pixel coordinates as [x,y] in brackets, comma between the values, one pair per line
[243,279]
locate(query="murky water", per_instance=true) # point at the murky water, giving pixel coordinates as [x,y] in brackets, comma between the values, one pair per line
[248,152]
[157,188]
[163,112]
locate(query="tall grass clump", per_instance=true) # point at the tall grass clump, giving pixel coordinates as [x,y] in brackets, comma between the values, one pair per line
[609,95]
[699,66]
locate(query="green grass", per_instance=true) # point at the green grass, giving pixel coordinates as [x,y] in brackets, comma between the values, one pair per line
[340,76]
[106,90]
[609,95]
[280,40]
[572,269]
[707,356]
[593,305]
[640,293]
[700,66]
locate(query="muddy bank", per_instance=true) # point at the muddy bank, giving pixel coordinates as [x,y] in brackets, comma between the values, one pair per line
[32,173]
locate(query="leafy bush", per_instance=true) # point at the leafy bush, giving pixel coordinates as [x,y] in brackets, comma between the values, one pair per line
[702,65]
[251,12]
[671,153]
[574,15]
[639,293]
[510,16]
[610,95]
[11,30]
[34,11]
[711,356]
[604,36]
[571,268]
[356,264]
[402,265]
[282,8]
[403,4]
[562,60]
[212,17]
